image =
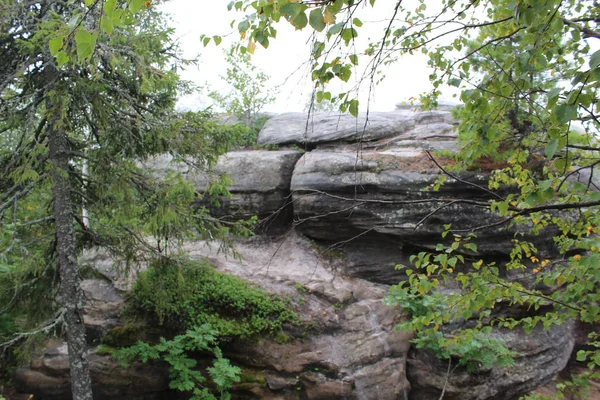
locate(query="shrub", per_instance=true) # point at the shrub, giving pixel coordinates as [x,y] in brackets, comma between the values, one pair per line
[183,372]
[188,294]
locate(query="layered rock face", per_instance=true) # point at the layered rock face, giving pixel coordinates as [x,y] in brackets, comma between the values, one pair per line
[261,183]
[356,205]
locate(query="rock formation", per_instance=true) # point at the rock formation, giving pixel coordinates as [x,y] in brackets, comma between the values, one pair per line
[354,205]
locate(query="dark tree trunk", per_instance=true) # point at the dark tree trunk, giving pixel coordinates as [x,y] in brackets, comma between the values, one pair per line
[71,295]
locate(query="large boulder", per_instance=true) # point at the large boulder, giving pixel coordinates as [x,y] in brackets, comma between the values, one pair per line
[351,348]
[542,354]
[47,378]
[260,183]
[346,347]
[378,204]
[359,209]
[320,128]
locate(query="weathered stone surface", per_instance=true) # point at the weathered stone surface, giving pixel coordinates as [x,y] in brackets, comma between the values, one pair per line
[383,192]
[349,348]
[364,212]
[542,355]
[321,128]
[375,205]
[260,182]
[47,378]
[102,308]
[257,171]
[384,379]
[442,105]
[353,329]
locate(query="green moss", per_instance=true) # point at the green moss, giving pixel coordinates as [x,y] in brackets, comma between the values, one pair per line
[282,338]
[187,294]
[253,377]
[301,288]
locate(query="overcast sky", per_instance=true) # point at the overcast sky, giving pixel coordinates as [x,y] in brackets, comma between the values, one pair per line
[284,60]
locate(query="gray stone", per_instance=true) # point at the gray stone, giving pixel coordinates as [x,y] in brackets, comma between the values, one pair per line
[48,378]
[260,183]
[543,354]
[377,208]
[442,105]
[103,304]
[359,209]
[322,128]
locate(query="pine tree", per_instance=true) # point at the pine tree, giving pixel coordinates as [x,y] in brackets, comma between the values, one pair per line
[87,91]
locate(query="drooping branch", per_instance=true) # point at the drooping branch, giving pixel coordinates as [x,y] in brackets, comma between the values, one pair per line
[484,189]
[587,32]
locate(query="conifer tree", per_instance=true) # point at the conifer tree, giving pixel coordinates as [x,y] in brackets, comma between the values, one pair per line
[87,91]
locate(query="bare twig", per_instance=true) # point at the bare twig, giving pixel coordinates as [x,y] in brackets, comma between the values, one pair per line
[459,179]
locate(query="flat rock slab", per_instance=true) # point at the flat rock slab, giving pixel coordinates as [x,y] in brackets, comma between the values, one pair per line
[260,183]
[378,208]
[252,171]
[300,128]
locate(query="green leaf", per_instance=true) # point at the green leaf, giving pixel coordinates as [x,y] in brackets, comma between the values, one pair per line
[55,45]
[503,207]
[109,8]
[565,113]
[335,29]
[74,21]
[316,20]
[353,59]
[454,82]
[471,246]
[62,58]
[595,59]
[135,5]
[560,164]
[107,25]
[353,108]
[554,92]
[551,148]
[217,39]
[348,35]
[85,42]
[357,22]
[292,10]
[300,21]
[127,17]
[243,26]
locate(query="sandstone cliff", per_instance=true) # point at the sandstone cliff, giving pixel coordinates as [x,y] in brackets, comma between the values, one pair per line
[339,210]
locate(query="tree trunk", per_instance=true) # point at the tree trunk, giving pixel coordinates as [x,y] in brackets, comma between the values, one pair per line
[71,295]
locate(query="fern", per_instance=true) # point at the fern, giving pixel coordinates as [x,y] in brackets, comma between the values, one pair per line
[183,373]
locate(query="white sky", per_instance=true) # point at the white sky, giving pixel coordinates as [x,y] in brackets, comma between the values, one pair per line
[286,54]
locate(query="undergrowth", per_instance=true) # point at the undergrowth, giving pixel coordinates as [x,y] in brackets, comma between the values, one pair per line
[183,372]
[184,295]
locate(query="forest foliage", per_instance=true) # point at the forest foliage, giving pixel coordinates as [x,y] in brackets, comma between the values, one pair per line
[528,74]
[89,88]
[88,91]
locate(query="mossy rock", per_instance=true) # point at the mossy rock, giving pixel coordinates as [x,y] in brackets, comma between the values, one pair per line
[181,295]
